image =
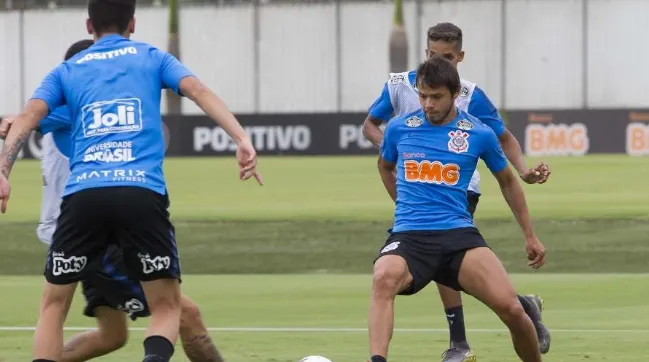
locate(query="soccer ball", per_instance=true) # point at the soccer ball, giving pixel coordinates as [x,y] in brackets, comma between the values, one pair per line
[314,359]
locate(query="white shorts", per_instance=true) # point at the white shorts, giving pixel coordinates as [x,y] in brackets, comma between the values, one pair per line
[55,169]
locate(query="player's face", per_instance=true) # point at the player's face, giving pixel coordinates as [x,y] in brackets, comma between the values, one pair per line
[446,50]
[436,102]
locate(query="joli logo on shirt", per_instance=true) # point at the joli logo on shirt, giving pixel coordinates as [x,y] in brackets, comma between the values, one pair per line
[115,116]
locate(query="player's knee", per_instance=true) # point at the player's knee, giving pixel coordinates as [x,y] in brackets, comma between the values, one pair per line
[114,339]
[388,278]
[510,310]
[190,316]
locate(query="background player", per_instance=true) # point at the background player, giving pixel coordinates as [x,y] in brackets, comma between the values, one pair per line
[113,91]
[110,292]
[435,151]
[399,97]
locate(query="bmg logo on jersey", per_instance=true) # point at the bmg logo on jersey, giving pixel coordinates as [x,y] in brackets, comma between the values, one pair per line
[433,172]
[73,264]
[116,116]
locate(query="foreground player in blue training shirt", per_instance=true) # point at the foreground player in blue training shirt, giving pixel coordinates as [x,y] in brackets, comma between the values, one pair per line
[110,292]
[399,97]
[435,151]
[113,91]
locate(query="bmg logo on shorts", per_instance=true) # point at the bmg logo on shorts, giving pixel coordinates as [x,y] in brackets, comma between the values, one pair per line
[115,116]
[73,264]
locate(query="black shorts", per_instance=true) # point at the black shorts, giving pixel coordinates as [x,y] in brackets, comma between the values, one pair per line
[110,286]
[473,199]
[134,218]
[433,255]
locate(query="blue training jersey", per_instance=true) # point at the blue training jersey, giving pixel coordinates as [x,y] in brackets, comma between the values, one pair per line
[434,166]
[113,92]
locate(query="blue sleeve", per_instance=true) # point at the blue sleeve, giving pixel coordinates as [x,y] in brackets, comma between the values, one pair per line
[51,90]
[481,107]
[172,72]
[389,143]
[381,109]
[492,153]
[57,120]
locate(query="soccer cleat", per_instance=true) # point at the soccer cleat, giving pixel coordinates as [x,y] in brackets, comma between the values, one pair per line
[541,330]
[455,354]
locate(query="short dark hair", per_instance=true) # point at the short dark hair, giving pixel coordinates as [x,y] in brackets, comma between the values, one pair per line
[111,15]
[78,47]
[438,72]
[446,32]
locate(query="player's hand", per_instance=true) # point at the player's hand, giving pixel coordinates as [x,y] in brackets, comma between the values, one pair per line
[536,175]
[535,252]
[247,158]
[5,191]
[5,125]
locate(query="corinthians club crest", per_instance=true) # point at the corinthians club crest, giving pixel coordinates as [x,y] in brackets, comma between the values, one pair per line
[459,142]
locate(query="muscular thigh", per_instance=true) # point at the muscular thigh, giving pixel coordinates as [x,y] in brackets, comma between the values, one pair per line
[483,276]
[422,253]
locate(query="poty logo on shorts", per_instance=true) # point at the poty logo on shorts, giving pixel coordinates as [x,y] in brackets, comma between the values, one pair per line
[71,265]
[115,116]
[110,152]
[159,263]
[433,172]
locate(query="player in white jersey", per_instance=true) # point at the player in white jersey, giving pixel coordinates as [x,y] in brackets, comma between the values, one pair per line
[110,294]
[400,97]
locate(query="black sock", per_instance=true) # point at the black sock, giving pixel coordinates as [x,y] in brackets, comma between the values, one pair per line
[378,359]
[43,360]
[455,318]
[157,349]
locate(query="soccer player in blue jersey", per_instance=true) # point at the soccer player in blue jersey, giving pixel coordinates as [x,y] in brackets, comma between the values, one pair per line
[399,97]
[110,293]
[113,92]
[435,151]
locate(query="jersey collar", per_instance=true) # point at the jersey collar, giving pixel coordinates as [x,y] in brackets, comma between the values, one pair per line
[109,38]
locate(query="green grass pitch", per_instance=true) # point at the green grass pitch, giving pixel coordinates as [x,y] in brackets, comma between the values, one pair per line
[282,271]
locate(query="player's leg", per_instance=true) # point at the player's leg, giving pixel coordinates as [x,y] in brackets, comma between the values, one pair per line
[111,334]
[76,246]
[197,343]
[532,304]
[459,349]
[482,275]
[401,268]
[148,242]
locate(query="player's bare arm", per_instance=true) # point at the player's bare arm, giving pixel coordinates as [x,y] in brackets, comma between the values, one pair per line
[512,149]
[216,109]
[35,110]
[372,131]
[386,170]
[515,197]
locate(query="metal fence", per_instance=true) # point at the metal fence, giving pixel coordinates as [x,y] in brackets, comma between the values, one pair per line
[53,4]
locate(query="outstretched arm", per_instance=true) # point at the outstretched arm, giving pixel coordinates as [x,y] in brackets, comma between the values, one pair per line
[512,190]
[21,127]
